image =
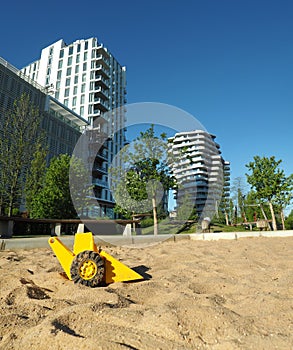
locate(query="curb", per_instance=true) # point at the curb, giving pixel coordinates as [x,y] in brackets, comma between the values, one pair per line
[139,241]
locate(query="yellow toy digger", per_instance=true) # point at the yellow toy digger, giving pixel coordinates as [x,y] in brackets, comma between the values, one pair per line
[89,265]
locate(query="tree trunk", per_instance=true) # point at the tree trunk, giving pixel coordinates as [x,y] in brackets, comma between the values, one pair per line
[155,216]
[273,216]
[11,198]
[10,206]
[264,215]
[283,219]
[243,214]
[226,218]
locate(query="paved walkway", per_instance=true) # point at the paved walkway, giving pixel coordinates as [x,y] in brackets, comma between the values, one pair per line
[42,242]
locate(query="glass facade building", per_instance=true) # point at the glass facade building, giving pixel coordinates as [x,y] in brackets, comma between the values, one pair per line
[86,78]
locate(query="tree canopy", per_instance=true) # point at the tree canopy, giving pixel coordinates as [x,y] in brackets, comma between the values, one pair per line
[53,201]
[270,183]
[20,137]
[141,177]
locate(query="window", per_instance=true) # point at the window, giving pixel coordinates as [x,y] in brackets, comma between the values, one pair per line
[58,84]
[76,79]
[67,83]
[74,101]
[48,71]
[59,73]
[60,63]
[70,52]
[81,111]
[83,77]
[77,58]
[82,99]
[78,48]
[84,67]
[68,71]
[61,53]
[86,45]
[66,92]
[75,90]
[69,61]
[77,69]
[83,88]
[66,102]
[57,95]
[51,50]
[85,56]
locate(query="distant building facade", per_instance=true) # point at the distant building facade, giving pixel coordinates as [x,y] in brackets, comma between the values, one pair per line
[62,126]
[200,170]
[86,77]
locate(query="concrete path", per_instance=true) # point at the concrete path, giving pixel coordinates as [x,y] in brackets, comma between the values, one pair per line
[137,241]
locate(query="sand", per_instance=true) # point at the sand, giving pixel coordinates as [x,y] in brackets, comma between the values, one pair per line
[235,294]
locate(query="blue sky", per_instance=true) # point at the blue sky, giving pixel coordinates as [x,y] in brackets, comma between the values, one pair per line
[227,62]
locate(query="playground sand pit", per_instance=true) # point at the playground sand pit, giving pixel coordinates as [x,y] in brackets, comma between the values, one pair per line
[227,294]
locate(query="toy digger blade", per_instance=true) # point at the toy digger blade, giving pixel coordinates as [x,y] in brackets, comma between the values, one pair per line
[88,265]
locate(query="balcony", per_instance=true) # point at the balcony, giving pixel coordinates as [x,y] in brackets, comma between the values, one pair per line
[102,154]
[102,81]
[101,59]
[97,137]
[100,168]
[103,51]
[100,183]
[103,71]
[101,92]
[101,104]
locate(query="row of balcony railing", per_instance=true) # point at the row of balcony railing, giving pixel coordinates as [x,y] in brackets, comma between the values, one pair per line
[99,182]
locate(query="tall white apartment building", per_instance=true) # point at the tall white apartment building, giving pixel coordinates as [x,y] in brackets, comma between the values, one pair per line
[87,78]
[200,171]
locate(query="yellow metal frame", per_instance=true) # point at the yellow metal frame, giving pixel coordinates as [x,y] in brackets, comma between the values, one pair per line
[115,271]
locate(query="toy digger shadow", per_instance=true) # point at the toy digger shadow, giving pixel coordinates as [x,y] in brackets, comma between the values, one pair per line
[89,265]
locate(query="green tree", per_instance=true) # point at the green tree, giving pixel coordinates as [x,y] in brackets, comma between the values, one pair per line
[53,200]
[289,221]
[20,133]
[238,194]
[35,177]
[132,196]
[268,181]
[147,178]
[284,198]
[187,206]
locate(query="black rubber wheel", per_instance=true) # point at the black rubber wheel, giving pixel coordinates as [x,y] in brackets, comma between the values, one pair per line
[88,268]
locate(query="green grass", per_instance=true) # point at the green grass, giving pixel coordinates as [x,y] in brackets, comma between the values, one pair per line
[171,229]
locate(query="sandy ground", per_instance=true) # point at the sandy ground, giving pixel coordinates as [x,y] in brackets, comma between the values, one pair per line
[196,295]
